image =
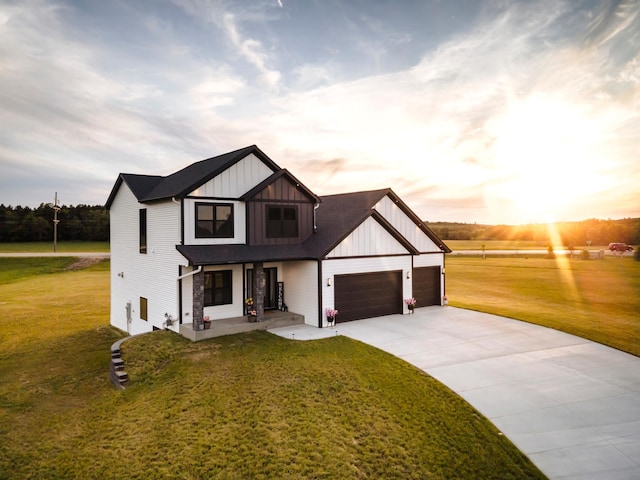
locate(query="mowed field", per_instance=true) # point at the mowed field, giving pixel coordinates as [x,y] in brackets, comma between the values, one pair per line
[251,406]
[594,299]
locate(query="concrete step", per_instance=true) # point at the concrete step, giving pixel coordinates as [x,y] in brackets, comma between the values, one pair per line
[117,363]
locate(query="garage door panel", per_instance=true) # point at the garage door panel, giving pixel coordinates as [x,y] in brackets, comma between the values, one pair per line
[426,286]
[368,295]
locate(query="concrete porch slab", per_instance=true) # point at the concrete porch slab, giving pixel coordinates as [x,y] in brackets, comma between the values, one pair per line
[230,326]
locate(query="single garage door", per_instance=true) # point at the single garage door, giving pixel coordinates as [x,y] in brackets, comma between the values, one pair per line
[366,295]
[426,286]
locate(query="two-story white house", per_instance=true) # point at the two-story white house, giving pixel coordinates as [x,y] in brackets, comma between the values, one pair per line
[198,243]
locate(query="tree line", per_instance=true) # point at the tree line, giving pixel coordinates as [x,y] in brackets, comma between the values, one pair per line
[88,223]
[587,232]
[91,223]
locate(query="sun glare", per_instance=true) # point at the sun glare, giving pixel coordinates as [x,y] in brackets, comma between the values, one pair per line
[545,158]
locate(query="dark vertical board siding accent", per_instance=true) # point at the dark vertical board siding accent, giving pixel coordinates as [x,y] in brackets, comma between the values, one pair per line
[279,192]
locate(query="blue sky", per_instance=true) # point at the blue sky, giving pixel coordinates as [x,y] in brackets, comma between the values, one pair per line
[488,112]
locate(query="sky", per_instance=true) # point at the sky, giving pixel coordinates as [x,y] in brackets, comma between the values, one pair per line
[495,112]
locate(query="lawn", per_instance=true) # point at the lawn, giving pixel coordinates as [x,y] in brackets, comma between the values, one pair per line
[47,247]
[246,406]
[594,299]
[512,245]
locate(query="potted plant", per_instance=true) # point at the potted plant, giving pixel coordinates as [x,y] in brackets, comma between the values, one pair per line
[411,303]
[251,312]
[331,316]
[445,300]
[207,323]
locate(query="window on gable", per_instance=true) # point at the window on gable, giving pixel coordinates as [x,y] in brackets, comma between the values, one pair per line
[143,230]
[214,220]
[282,222]
[218,288]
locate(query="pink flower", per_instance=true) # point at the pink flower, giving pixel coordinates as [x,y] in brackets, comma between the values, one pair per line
[330,312]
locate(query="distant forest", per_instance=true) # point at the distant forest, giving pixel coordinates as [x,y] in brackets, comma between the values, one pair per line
[91,223]
[593,232]
[80,223]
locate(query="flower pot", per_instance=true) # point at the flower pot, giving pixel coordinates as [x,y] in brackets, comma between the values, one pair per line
[207,325]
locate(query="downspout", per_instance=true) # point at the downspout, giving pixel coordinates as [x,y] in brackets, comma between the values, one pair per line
[173,199]
[315,225]
[188,274]
[319,289]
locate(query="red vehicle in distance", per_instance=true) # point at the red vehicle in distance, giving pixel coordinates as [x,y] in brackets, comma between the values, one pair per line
[620,247]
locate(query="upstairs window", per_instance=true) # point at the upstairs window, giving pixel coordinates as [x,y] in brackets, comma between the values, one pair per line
[217,288]
[143,230]
[214,220]
[282,222]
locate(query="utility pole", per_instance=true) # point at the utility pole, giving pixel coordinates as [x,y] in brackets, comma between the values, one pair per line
[56,208]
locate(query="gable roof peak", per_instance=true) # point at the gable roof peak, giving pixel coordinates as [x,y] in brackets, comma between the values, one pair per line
[184,181]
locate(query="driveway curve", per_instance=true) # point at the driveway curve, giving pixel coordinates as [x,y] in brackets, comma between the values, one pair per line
[571,405]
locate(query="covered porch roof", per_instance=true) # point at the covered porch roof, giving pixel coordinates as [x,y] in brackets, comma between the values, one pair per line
[230,254]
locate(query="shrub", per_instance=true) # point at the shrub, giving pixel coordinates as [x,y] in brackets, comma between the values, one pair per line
[550,252]
[585,255]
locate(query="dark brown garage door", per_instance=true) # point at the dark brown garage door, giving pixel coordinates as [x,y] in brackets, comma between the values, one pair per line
[426,286]
[366,295]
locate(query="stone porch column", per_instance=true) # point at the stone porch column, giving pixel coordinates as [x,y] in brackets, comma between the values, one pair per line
[198,301]
[259,284]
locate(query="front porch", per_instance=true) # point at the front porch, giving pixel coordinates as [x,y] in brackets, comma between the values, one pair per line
[230,326]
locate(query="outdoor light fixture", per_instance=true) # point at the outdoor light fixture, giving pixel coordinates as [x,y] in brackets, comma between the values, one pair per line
[329,282]
[408,274]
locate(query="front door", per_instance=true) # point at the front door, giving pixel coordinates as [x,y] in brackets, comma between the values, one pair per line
[270,289]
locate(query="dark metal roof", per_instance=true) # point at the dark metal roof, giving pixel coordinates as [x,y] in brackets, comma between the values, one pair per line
[336,217]
[183,182]
[148,188]
[230,254]
[140,185]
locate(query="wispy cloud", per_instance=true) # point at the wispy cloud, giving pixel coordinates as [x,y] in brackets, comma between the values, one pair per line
[452,133]
[251,49]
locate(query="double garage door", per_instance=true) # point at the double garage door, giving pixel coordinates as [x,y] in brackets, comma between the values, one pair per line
[366,295]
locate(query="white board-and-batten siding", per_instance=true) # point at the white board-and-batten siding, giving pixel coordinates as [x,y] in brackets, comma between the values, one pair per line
[152,275]
[370,238]
[226,187]
[407,228]
[236,180]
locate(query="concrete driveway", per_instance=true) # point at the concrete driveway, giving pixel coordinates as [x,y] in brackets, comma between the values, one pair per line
[571,405]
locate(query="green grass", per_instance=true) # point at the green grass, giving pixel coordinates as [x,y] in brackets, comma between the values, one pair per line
[15,268]
[510,245]
[247,406]
[47,247]
[594,299]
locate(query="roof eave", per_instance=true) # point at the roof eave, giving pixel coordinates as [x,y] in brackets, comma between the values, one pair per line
[418,221]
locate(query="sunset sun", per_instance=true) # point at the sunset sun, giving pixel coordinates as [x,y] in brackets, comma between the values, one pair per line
[546,158]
